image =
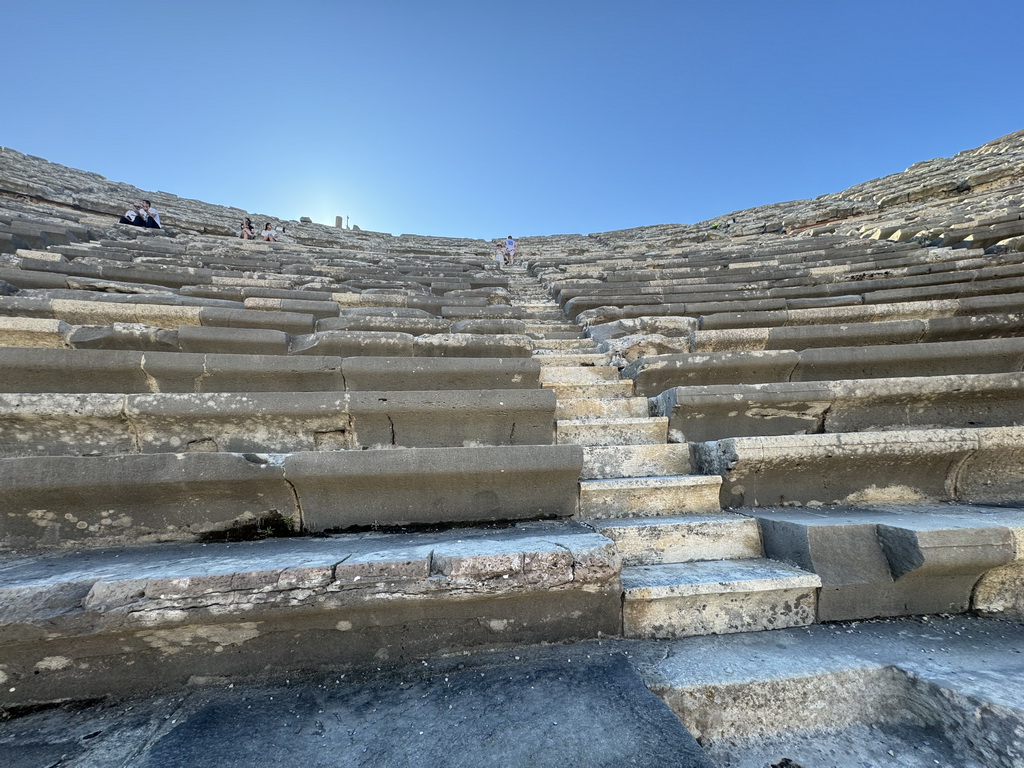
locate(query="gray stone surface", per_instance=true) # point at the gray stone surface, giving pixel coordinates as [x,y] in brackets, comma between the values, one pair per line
[913,466]
[81,624]
[432,485]
[699,414]
[831,694]
[654,375]
[539,707]
[892,561]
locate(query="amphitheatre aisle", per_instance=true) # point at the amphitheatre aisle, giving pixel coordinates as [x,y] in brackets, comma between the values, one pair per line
[772,458]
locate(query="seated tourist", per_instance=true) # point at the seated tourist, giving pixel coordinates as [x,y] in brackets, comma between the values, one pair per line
[247,232]
[268,233]
[151,215]
[132,216]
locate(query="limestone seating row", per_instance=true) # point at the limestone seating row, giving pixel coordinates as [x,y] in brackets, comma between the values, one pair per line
[194,254]
[983,465]
[943,329]
[895,560]
[955,291]
[17,232]
[37,332]
[130,498]
[801,337]
[789,260]
[102,622]
[36,370]
[655,374]
[700,414]
[905,310]
[988,281]
[130,282]
[97,311]
[734,266]
[838,265]
[675,326]
[271,422]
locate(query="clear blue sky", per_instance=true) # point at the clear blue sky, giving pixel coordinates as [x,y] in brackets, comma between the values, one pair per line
[479,119]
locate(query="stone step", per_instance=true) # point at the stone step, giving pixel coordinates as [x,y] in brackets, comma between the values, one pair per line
[752,697]
[649,430]
[688,538]
[597,389]
[901,560]
[532,327]
[567,374]
[564,335]
[665,495]
[572,360]
[606,462]
[574,345]
[716,597]
[123,371]
[545,315]
[537,306]
[589,407]
[270,422]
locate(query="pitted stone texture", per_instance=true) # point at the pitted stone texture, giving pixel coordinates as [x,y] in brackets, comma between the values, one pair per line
[613,431]
[649,496]
[653,541]
[699,414]
[32,332]
[175,609]
[611,461]
[716,597]
[892,561]
[577,375]
[594,408]
[980,465]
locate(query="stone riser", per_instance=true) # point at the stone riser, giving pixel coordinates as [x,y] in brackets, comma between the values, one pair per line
[683,539]
[649,496]
[681,600]
[634,431]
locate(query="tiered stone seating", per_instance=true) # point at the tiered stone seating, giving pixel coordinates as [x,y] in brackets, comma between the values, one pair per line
[348,447]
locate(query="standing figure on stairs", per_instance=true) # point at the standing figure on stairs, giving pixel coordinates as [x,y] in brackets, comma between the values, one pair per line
[499,254]
[510,250]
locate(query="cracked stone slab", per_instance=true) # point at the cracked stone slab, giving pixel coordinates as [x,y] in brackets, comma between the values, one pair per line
[176,609]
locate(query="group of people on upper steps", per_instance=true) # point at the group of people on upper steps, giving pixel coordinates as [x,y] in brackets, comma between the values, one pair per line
[142,215]
[247,232]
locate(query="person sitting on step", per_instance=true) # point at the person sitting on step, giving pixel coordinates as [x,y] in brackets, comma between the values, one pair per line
[132,216]
[150,215]
[268,233]
[247,232]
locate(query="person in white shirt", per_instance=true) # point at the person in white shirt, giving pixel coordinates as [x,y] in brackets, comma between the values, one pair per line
[151,215]
[268,233]
[510,249]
